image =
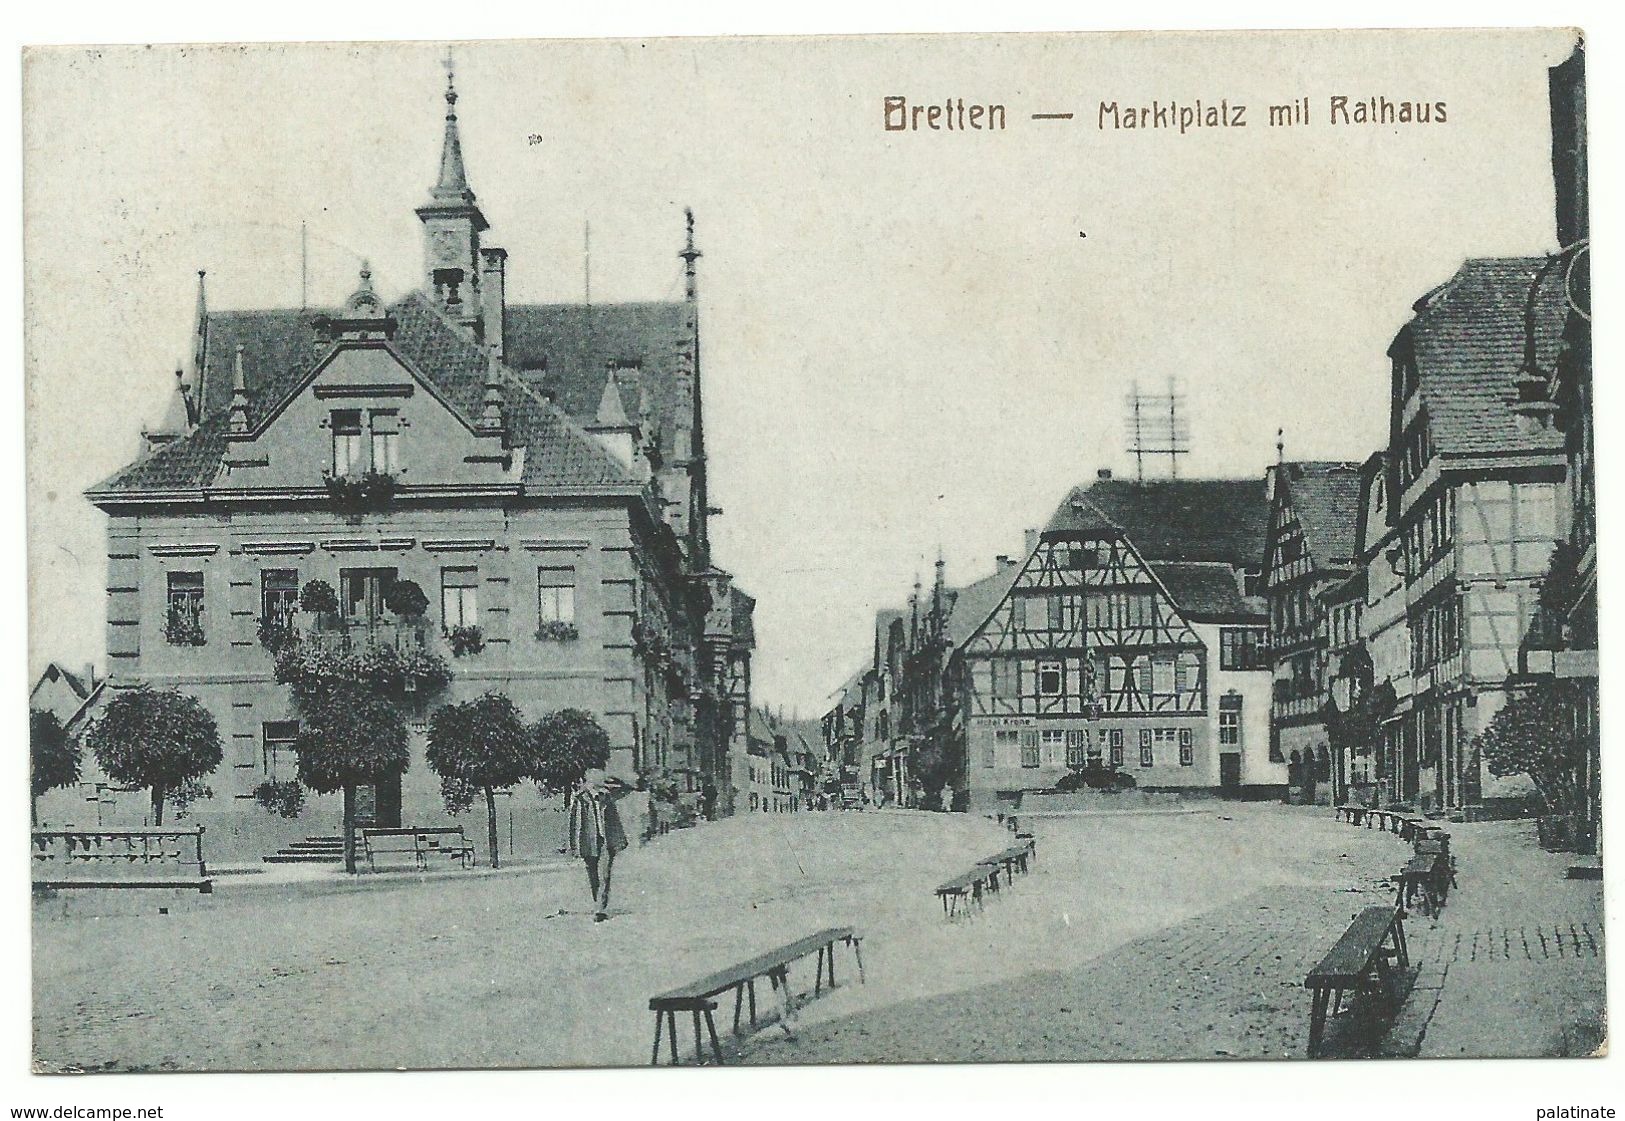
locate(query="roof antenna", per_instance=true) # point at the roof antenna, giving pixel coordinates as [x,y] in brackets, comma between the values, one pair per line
[304,267]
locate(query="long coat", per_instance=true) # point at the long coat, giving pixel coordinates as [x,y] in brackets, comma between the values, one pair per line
[595,823]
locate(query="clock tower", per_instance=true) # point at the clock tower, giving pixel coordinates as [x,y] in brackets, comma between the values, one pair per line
[452,225]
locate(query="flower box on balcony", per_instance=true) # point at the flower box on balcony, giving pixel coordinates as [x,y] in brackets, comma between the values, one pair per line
[557,631]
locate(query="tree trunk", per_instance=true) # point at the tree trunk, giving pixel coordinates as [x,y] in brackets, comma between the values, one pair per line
[349,828]
[491,825]
[157,806]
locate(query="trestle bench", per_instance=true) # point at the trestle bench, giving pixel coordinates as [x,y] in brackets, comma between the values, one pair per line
[1368,958]
[699,998]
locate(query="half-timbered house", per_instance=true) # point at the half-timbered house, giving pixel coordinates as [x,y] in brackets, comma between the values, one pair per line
[1134,633]
[1460,525]
[1310,550]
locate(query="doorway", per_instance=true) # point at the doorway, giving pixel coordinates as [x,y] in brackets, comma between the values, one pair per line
[1230,773]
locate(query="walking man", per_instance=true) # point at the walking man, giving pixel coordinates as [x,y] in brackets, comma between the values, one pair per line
[596,833]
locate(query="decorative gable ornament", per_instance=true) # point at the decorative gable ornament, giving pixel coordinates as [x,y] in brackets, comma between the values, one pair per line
[364,318]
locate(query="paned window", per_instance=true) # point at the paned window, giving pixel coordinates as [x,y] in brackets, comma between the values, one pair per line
[184,625]
[281,762]
[1077,747]
[556,595]
[459,597]
[348,450]
[1029,749]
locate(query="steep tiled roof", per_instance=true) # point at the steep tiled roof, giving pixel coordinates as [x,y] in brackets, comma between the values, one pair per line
[973,603]
[1470,339]
[281,347]
[1207,589]
[565,350]
[1326,499]
[742,613]
[1221,520]
[56,670]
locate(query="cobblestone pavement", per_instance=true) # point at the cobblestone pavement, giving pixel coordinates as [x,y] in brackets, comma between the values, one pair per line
[1169,937]
[1515,963]
[1512,967]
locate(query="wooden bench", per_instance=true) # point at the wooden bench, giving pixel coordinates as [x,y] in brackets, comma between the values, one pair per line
[1011,860]
[1364,959]
[699,997]
[419,843]
[966,888]
[1411,827]
[119,858]
[1417,886]
[1350,813]
[1444,865]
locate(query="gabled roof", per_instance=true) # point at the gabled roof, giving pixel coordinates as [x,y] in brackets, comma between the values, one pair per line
[281,348]
[973,603]
[743,614]
[1470,340]
[1208,590]
[760,726]
[56,671]
[1325,496]
[1222,520]
[850,691]
[565,350]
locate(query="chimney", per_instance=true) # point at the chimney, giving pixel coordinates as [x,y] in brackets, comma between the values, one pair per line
[1032,542]
[493,301]
[490,420]
[1104,474]
[1002,561]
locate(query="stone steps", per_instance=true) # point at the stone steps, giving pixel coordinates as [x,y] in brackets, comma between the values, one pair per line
[311,850]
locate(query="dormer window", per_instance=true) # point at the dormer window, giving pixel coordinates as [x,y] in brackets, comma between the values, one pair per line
[366,441]
[386,437]
[348,450]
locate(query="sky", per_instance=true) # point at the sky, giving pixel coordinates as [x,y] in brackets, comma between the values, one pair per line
[914,342]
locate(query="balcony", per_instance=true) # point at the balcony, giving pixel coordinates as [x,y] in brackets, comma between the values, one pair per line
[345,636]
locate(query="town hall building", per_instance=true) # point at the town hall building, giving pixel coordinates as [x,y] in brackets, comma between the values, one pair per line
[539,471]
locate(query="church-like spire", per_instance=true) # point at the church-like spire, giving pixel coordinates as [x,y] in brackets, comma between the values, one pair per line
[611,412]
[200,339]
[237,420]
[452,224]
[453,183]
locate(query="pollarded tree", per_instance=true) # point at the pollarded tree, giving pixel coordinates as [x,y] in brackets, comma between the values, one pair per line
[567,744]
[349,736]
[161,739]
[53,758]
[480,747]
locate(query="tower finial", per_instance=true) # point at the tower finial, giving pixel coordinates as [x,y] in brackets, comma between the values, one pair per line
[689,255]
[453,182]
[1280,445]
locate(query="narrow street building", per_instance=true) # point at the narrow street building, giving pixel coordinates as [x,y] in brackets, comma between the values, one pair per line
[1313,509]
[1461,523]
[538,471]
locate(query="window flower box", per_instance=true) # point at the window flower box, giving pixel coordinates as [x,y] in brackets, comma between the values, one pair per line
[556,630]
[185,628]
[465,640]
[374,490]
